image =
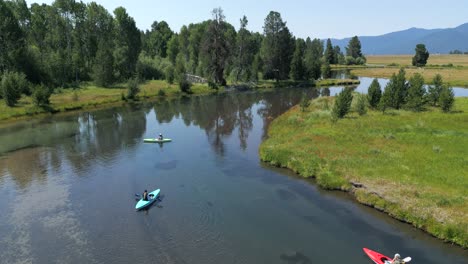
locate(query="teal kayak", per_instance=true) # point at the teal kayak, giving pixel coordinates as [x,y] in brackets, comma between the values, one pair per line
[152,197]
[155,140]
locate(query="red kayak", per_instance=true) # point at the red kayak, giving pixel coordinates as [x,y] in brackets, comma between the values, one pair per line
[376,256]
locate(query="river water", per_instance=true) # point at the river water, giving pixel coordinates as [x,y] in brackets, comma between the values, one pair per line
[68,184]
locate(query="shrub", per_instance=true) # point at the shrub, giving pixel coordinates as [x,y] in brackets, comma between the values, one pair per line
[305,102]
[133,88]
[41,95]
[185,86]
[161,93]
[12,85]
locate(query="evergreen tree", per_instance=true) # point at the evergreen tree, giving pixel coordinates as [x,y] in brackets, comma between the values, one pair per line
[313,55]
[12,39]
[389,94]
[277,48]
[245,52]
[401,90]
[434,90]
[416,91]
[446,99]
[374,93]
[361,104]
[326,70]
[342,103]
[298,71]
[421,56]
[330,53]
[216,49]
[354,53]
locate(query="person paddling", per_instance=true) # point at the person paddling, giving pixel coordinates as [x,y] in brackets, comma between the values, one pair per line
[160,136]
[397,259]
[145,195]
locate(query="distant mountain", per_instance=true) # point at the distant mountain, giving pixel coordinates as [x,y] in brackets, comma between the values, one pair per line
[404,42]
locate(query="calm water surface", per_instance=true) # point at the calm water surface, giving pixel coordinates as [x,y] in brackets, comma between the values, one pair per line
[68,184]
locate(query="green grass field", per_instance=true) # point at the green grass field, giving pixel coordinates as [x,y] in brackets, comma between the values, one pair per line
[384,66]
[413,166]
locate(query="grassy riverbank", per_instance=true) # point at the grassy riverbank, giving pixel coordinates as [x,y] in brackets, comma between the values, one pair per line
[453,68]
[89,96]
[414,166]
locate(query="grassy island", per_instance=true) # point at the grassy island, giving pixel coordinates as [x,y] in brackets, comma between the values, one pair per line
[411,165]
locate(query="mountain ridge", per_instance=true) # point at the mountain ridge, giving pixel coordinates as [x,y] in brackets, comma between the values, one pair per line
[439,40]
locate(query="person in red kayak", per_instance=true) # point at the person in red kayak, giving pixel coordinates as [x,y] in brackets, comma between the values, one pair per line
[397,259]
[145,195]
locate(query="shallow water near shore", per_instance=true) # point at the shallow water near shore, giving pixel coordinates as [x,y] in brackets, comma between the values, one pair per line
[68,185]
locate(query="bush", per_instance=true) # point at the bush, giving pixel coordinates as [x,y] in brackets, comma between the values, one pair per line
[12,85]
[133,88]
[185,86]
[305,102]
[41,95]
[213,85]
[161,93]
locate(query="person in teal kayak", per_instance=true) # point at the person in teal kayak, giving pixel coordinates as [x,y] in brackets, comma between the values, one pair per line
[145,195]
[160,136]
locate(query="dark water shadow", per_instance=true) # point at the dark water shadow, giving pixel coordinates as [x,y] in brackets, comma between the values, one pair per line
[170,165]
[295,258]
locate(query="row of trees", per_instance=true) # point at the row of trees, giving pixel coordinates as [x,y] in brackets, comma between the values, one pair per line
[398,93]
[69,42]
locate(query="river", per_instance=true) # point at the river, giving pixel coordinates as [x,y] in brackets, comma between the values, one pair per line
[68,184]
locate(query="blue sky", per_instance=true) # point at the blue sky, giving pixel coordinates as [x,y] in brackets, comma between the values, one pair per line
[314,18]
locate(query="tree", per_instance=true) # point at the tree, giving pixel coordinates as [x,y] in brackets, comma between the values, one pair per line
[326,70]
[446,99]
[313,55]
[339,57]
[353,51]
[389,94]
[435,90]
[361,104]
[12,39]
[157,39]
[342,103]
[330,53]
[374,93]
[277,48]
[401,90]
[298,70]
[421,56]
[216,48]
[244,52]
[416,91]
[173,48]
[127,44]
[103,69]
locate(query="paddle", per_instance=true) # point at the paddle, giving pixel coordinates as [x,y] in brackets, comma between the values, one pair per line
[407,259]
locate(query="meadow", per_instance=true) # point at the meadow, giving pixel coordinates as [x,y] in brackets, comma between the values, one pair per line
[453,68]
[412,165]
